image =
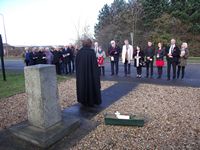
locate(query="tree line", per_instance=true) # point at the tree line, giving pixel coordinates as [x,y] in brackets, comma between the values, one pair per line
[150,20]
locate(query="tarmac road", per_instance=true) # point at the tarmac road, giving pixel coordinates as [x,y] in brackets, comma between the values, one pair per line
[192,73]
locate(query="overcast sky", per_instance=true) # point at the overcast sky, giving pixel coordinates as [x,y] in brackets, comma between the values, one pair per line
[47,22]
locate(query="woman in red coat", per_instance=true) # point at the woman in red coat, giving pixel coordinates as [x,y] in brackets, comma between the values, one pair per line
[160,59]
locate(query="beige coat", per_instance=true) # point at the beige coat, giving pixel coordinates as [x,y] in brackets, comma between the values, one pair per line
[183,59]
[129,53]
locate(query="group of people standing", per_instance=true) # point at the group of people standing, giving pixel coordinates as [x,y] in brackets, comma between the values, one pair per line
[147,57]
[90,62]
[62,57]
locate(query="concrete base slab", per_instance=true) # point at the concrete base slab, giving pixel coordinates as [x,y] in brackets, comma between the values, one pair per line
[45,138]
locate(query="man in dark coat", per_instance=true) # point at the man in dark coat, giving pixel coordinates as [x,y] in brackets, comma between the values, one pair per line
[57,55]
[33,56]
[87,76]
[172,54]
[66,54]
[114,52]
[41,57]
[149,55]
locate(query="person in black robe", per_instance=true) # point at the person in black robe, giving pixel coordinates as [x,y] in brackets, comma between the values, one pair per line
[87,76]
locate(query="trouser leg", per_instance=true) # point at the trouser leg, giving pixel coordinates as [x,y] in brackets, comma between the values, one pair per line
[99,70]
[103,70]
[151,65]
[125,67]
[73,66]
[183,72]
[168,69]
[69,67]
[112,67]
[116,67]
[174,70]
[178,72]
[58,71]
[147,69]
[159,72]
[139,70]
[129,68]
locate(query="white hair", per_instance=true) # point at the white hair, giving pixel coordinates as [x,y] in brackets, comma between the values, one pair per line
[46,48]
[185,44]
[112,41]
[41,48]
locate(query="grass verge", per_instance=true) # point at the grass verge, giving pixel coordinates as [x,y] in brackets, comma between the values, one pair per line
[15,83]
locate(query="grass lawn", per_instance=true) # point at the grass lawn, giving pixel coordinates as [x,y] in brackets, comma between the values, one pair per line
[194,60]
[15,83]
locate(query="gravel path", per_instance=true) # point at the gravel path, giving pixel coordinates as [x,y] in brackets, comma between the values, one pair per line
[173,121]
[13,109]
[172,114]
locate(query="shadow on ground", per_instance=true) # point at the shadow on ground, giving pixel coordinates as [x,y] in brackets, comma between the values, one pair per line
[109,96]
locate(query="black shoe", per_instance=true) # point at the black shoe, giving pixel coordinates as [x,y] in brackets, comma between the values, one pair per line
[146,76]
[168,79]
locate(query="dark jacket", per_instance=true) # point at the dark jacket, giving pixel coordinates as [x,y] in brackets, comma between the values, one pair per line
[160,54]
[175,54]
[115,52]
[57,55]
[41,58]
[66,55]
[141,60]
[149,52]
[33,57]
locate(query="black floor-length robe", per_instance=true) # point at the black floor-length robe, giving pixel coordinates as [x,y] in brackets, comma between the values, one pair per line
[87,78]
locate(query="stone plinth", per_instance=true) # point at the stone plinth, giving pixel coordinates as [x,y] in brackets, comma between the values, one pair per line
[45,124]
[41,88]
